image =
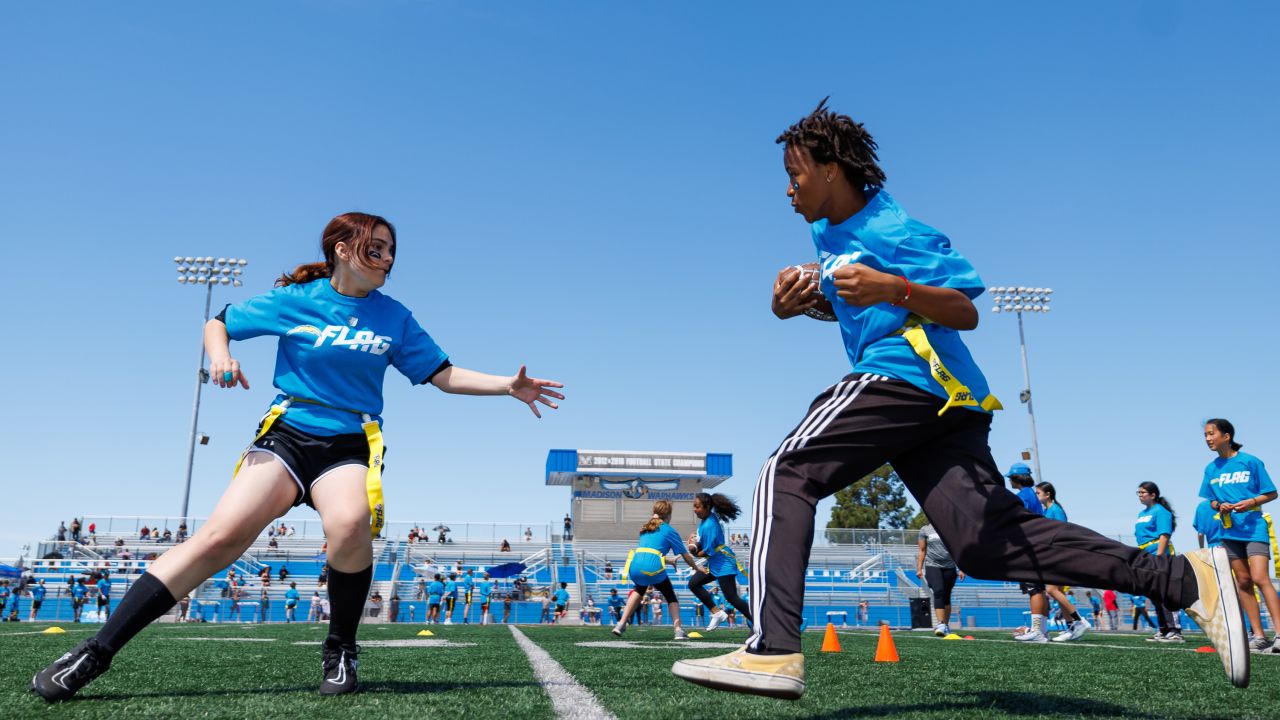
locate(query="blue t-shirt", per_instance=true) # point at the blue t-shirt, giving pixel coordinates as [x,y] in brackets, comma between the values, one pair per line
[4,593]
[37,593]
[1153,522]
[451,588]
[1055,512]
[291,597]
[335,349]
[104,588]
[711,537]
[882,237]
[1232,480]
[485,589]
[468,583]
[435,589]
[562,596]
[1030,500]
[78,591]
[1207,524]
[616,601]
[1138,601]
[665,539]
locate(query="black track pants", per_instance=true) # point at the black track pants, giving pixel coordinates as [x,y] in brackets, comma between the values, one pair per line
[867,420]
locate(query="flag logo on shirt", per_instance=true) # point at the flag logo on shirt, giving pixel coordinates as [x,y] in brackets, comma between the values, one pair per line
[353,321]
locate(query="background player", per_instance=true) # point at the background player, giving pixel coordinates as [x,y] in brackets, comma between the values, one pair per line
[935,564]
[1154,532]
[1077,626]
[450,597]
[321,443]
[1237,485]
[713,510]
[647,568]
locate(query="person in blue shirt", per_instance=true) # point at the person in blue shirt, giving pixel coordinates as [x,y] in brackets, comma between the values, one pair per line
[320,443]
[78,593]
[561,601]
[38,592]
[450,597]
[291,603]
[484,592]
[104,596]
[615,605]
[1237,485]
[468,586]
[1154,532]
[1208,525]
[723,568]
[435,593]
[1023,485]
[1077,626]
[647,566]
[900,296]
[1140,611]
[5,594]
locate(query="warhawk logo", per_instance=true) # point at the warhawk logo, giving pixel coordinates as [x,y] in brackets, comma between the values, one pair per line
[362,340]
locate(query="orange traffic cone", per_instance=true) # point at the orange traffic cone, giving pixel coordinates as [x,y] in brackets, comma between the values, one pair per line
[886,651]
[831,643]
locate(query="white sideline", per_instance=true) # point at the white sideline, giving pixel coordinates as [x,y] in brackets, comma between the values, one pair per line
[569,698]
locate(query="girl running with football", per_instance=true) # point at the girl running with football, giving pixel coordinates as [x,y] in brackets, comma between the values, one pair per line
[320,444]
[647,566]
[713,510]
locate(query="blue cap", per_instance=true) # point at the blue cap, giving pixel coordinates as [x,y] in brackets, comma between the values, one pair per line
[1018,469]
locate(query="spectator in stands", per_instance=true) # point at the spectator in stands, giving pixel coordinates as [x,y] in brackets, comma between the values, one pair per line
[144,533]
[167,537]
[264,606]
[75,529]
[292,531]
[62,531]
[93,530]
[528,534]
[323,578]
[421,592]
[284,573]
[271,531]
[506,546]
[413,535]
[507,598]
[272,545]
[182,532]
[608,570]
[568,527]
[589,613]
[615,605]
[234,611]
[375,602]
[1110,604]
[393,608]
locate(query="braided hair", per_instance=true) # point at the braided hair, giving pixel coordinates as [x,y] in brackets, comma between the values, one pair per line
[831,137]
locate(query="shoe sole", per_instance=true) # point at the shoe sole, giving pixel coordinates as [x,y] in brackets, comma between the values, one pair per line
[354,688]
[1238,651]
[35,690]
[740,681]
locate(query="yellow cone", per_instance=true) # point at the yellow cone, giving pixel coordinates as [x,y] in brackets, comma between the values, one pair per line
[695,634]
[425,633]
[53,630]
[952,636]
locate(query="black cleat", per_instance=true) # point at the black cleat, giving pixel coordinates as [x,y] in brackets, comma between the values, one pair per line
[71,672]
[339,663]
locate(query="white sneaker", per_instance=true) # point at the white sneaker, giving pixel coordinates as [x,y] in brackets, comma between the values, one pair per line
[1075,631]
[941,630]
[1173,636]
[1259,644]
[1158,637]
[680,634]
[779,676]
[1032,636]
[447,621]
[717,617]
[619,629]
[1217,611]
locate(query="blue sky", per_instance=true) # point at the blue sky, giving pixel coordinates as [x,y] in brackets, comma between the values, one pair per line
[594,190]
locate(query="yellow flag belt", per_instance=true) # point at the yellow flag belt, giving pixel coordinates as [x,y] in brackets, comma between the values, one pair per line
[958,394]
[372,479]
[626,569]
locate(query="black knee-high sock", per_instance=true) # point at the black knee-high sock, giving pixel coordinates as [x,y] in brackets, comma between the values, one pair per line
[147,600]
[347,593]
[729,586]
[698,586]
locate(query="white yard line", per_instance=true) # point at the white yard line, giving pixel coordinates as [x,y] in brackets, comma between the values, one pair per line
[570,699]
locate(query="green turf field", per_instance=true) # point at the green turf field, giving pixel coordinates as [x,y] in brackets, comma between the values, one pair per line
[236,671]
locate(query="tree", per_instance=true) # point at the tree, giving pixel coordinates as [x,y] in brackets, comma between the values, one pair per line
[878,500]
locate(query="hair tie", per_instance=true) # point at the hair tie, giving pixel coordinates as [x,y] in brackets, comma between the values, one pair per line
[656,516]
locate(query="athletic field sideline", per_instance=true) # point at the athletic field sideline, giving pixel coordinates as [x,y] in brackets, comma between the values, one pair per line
[272,671]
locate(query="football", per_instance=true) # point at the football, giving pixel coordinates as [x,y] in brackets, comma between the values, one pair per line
[823,310]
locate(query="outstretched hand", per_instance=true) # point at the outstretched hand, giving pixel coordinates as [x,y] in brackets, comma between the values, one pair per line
[534,390]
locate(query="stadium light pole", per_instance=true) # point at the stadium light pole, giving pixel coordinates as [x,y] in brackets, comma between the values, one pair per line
[206,271]
[1019,300]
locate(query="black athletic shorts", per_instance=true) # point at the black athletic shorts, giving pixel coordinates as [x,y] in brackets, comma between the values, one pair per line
[35,604]
[1030,588]
[308,458]
[941,581]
